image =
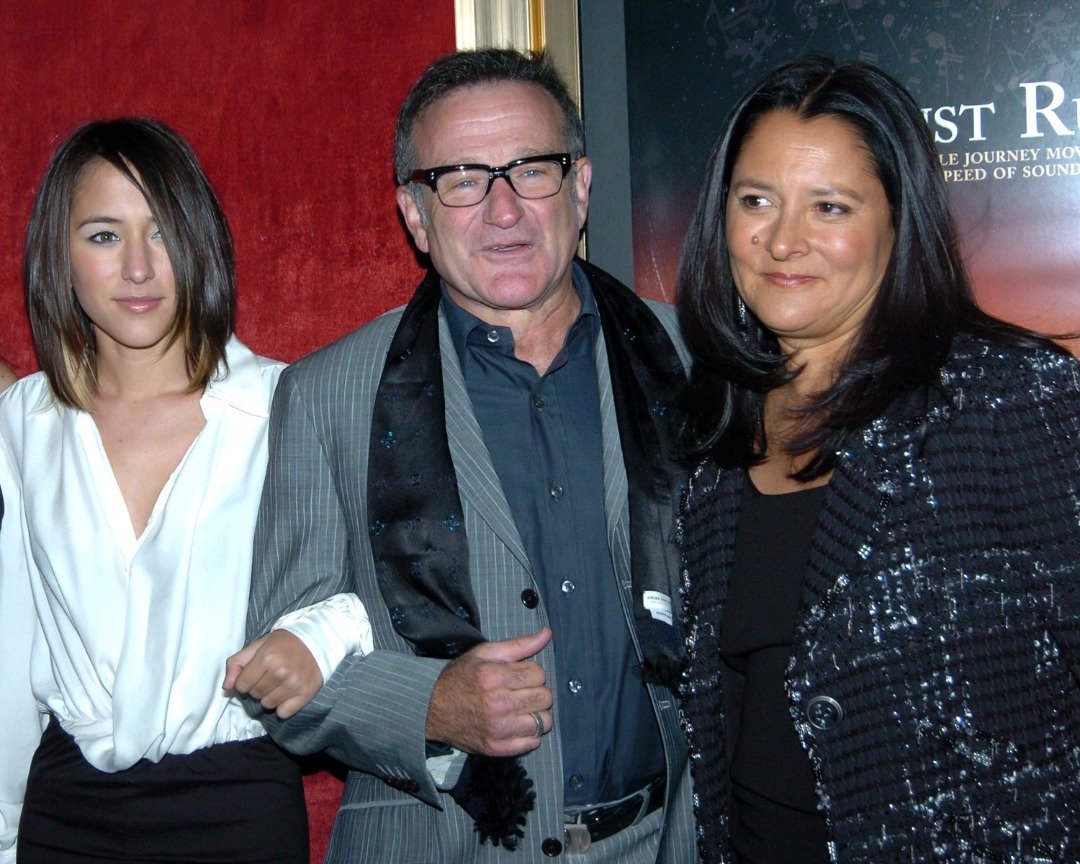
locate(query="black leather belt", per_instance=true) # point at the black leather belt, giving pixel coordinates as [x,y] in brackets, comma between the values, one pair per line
[601,822]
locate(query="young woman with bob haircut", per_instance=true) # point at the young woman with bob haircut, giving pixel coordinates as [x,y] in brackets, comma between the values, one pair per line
[135,461]
[882,537]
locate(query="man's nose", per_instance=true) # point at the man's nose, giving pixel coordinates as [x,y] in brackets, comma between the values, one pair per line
[502,204]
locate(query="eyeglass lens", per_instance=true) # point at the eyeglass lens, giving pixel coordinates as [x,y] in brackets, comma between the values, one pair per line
[470,186]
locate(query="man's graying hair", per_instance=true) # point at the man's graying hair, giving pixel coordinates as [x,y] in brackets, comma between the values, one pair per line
[471,68]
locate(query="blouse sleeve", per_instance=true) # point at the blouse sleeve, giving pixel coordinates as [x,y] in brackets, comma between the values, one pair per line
[1051,518]
[332,630]
[20,719]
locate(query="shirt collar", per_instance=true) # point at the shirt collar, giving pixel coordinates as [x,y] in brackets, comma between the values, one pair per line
[461,323]
[240,387]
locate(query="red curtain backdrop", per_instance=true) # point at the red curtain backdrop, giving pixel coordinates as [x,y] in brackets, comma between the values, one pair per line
[291,110]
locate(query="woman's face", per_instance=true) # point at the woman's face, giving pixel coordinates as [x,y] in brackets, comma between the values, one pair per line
[119,267]
[809,230]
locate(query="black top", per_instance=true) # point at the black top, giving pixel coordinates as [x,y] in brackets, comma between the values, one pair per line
[774,806]
[543,433]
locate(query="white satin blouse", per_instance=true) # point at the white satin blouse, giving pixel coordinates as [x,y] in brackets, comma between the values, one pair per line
[130,633]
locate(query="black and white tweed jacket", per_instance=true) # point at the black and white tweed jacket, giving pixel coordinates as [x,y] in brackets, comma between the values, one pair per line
[935,674]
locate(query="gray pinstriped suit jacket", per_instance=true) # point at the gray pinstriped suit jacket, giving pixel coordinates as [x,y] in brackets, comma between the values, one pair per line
[312,542]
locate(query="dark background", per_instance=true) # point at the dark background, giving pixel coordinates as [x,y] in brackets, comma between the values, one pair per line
[685,62]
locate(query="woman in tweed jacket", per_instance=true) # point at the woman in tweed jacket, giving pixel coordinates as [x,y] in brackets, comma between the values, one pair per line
[882,536]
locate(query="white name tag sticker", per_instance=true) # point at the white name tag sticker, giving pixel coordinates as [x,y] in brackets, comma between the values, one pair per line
[658,605]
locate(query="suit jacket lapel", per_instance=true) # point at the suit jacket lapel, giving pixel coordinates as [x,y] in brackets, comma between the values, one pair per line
[615,482]
[478,484]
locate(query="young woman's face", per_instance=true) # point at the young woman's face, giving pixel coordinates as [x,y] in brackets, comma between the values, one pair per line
[120,270]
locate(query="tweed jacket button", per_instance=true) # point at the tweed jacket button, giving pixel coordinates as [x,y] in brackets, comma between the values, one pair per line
[530,598]
[551,847]
[824,712]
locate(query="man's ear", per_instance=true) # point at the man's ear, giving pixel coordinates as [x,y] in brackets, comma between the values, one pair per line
[582,184]
[414,221]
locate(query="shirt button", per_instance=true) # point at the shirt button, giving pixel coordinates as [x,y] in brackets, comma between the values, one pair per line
[568,587]
[556,491]
[551,847]
[575,685]
[493,336]
[530,598]
[824,712]
[538,403]
[576,781]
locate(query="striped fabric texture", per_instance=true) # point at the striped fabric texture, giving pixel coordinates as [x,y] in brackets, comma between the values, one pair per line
[312,542]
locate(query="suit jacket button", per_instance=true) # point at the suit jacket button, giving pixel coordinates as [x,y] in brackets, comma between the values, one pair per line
[551,847]
[530,598]
[824,712]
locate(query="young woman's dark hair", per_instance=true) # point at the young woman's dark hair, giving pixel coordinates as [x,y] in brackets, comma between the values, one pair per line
[164,169]
[925,296]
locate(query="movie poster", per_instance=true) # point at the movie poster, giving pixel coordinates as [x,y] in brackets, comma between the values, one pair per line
[999,84]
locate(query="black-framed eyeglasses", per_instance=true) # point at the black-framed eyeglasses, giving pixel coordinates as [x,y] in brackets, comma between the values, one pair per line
[464,185]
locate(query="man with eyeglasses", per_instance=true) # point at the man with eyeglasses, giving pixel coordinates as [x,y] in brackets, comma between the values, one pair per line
[489,471]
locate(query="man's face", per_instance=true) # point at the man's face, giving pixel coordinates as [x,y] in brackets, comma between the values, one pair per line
[506,255]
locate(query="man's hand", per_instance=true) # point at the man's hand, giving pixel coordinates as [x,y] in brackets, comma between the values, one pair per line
[484,700]
[278,670]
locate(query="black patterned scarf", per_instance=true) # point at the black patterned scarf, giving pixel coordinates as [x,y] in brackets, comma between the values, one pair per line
[417,523]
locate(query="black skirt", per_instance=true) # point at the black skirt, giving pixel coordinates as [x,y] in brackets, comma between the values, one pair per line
[236,802]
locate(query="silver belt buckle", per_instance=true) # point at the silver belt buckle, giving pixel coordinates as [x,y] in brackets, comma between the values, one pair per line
[577,839]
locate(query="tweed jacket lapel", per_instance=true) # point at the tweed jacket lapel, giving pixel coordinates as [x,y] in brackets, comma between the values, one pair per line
[855,516]
[724,487]
[478,483]
[853,509]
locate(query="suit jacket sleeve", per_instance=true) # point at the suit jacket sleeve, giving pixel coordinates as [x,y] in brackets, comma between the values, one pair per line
[310,545]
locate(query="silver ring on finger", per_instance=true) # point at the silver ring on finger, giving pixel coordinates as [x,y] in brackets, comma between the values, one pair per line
[539,723]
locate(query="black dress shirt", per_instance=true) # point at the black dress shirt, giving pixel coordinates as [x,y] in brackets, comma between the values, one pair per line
[543,433]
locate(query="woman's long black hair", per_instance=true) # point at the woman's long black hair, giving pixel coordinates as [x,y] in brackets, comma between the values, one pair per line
[925,296]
